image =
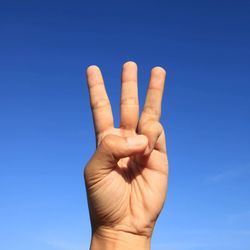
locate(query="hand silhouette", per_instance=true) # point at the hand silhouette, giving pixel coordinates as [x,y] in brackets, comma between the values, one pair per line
[126,178]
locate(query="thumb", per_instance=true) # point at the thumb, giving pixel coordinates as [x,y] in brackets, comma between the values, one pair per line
[111,149]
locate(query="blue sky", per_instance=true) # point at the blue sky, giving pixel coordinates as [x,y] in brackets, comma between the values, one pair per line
[46,126]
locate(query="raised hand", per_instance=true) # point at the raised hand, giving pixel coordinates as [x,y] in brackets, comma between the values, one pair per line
[126,179]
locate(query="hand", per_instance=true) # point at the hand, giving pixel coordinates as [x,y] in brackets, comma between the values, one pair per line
[126,179]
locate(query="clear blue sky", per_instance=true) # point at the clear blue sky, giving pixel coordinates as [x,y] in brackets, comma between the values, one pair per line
[46,133]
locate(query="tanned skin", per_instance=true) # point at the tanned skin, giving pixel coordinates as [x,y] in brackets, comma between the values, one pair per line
[126,178]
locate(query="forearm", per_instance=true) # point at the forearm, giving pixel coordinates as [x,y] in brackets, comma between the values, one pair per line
[110,240]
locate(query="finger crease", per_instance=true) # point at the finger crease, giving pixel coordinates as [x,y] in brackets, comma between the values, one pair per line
[100,104]
[151,110]
[130,81]
[95,84]
[155,88]
[129,101]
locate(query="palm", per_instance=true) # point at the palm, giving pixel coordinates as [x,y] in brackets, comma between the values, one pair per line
[131,195]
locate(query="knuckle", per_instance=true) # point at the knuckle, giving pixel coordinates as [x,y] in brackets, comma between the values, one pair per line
[151,110]
[151,127]
[130,81]
[129,101]
[101,103]
[107,142]
[95,84]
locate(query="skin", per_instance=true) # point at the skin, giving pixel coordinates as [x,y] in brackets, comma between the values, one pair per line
[126,178]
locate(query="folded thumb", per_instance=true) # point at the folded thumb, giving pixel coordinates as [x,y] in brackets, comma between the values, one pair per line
[111,149]
[115,147]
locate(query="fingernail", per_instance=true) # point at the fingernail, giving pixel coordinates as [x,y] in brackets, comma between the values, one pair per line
[137,140]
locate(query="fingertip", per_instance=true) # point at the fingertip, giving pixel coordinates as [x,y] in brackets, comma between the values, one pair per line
[158,70]
[92,69]
[129,64]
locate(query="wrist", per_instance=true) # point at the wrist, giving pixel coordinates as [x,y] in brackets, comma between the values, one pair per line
[107,239]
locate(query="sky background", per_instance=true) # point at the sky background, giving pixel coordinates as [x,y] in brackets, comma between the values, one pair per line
[46,132]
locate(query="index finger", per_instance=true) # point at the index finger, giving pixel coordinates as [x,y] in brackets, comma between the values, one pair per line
[99,101]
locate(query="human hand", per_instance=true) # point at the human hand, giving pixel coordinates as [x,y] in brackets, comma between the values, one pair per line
[126,178]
